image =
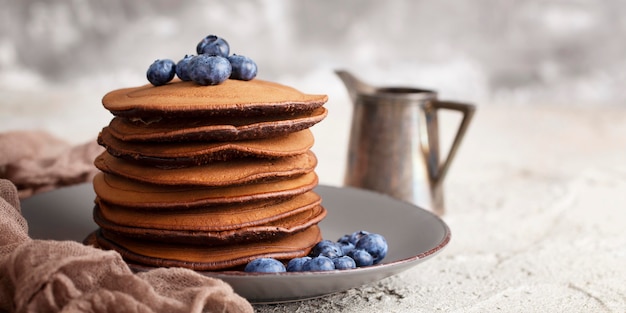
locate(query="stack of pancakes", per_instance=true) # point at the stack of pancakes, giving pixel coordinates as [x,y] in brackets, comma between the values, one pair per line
[208,177]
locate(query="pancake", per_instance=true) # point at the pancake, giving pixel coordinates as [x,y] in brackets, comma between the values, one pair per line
[280,226]
[236,172]
[211,219]
[197,153]
[202,258]
[231,98]
[213,129]
[120,191]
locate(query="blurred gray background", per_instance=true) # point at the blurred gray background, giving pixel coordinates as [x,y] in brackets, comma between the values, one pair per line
[58,58]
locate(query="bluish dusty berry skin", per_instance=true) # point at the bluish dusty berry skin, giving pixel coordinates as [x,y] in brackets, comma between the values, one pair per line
[344,263]
[326,248]
[320,263]
[207,69]
[244,68]
[213,45]
[359,249]
[182,68]
[161,72]
[295,265]
[355,236]
[344,239]
[375,245]
[361,257]
[345,247]
[265,265]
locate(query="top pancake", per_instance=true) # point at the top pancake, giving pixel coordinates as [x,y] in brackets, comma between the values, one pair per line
[233,97]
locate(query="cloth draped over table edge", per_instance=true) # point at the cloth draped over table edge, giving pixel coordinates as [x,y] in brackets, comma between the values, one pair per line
[36,161]
[67,276]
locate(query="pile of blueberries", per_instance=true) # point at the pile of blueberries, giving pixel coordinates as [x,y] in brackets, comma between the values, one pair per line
[358,249]
[213,65]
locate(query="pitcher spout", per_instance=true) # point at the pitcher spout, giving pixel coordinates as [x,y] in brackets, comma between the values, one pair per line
[354,85]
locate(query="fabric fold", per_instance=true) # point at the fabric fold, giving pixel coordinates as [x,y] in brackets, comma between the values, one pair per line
[67,276]
[37,161]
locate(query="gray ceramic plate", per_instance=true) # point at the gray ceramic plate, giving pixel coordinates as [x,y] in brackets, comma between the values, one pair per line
[413,234]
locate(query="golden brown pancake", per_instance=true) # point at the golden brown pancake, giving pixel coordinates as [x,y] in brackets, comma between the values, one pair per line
[231,98]
[286,224]
[213,129]
[235,172]
[197,153]
[216,218]
[203,258]
[121,191]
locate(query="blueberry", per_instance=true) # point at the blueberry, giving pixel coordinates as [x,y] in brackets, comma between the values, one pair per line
[265,265]
[161,72]
[295,265]
[361,257]
[213,45]
[182,68]
[345,247]
[355,236]
[320,263]
[344,263]
[244,68]
[209,70]
[374,244]
[344,239]
[326,248]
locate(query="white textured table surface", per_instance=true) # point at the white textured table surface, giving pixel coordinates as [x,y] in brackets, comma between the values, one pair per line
[536,201]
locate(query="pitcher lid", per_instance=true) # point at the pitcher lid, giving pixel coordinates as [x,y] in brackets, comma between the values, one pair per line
[402,93]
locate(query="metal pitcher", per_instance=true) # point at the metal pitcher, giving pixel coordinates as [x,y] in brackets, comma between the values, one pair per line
[394,142]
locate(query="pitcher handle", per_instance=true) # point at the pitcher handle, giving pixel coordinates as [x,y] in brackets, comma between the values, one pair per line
[468,112]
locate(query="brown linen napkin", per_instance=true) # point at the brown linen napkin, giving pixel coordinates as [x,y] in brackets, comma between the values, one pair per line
[66,276]
[36,161]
